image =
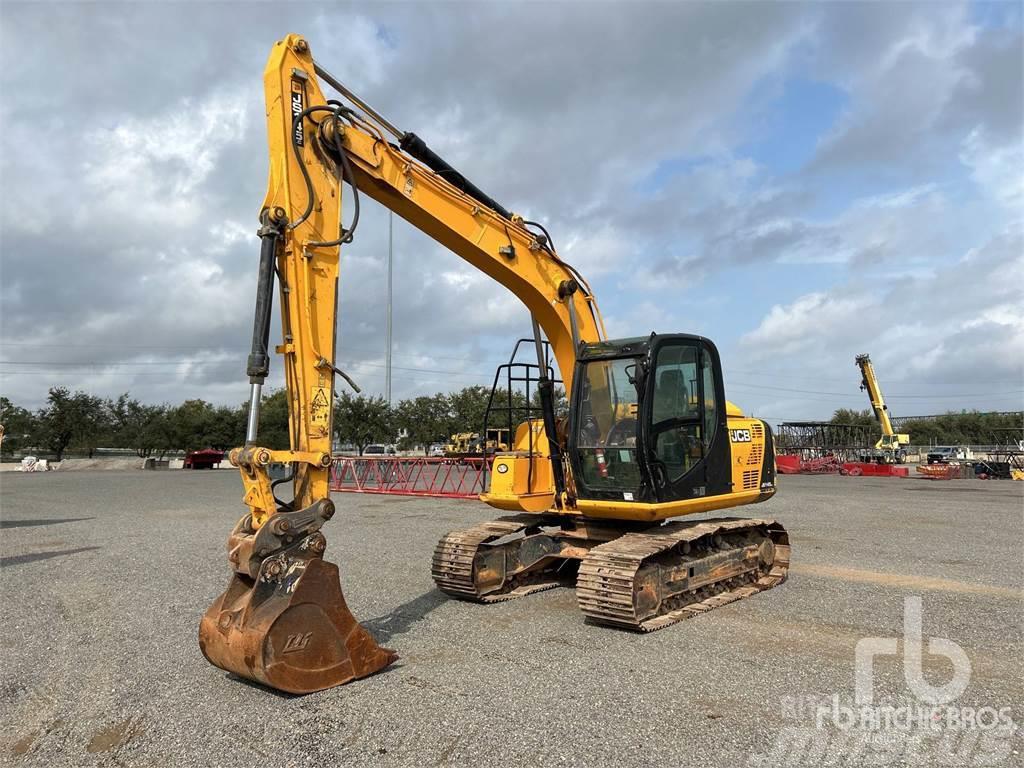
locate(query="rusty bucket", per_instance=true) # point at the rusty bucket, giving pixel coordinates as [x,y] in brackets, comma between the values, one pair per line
[289,628]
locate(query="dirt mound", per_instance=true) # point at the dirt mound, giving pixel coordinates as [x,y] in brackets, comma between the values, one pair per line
[127,462]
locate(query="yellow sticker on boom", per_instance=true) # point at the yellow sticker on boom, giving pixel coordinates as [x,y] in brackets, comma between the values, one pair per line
[320,406]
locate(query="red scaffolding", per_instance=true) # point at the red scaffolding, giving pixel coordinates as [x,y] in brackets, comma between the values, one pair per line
[461,478]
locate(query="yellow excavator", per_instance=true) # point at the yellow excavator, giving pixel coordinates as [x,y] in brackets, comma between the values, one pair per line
[649,434]
[459,444]
[891,446]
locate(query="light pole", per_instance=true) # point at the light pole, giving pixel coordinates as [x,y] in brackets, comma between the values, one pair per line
[387,364]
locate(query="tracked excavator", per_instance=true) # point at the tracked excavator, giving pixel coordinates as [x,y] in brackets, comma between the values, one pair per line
[649,436]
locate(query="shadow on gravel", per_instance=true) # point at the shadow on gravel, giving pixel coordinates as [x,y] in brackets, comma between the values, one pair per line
[404,616]
[258,686]
[45,521]
[22,559]
[262,688]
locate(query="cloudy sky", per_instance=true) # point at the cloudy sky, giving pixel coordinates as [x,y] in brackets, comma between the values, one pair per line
[800,183]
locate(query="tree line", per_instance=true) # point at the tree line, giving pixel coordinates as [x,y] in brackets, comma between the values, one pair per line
[953,428]
[82,422]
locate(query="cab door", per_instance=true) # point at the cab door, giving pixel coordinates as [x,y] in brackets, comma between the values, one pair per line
[686,439]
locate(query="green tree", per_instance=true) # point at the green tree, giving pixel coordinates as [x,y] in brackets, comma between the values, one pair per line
[162,431]
[20,426]
[467,408]
[137,426]
[561,402]
[363,420]
[67,419]
[963,428]
[850,417]
[966,427]
[273,432]
[197,424]
[424,420]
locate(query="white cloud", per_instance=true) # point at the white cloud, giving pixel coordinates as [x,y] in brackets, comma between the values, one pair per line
[959,330]
[149,169]
[803,324]
[997,169]
[144,219]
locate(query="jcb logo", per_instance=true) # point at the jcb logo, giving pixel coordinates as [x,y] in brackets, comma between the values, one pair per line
[296,111]
[296,642]
[739,435]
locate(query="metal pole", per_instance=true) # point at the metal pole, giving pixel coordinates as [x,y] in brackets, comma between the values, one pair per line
[387,367]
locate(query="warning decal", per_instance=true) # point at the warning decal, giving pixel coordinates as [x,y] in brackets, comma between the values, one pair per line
[320,406]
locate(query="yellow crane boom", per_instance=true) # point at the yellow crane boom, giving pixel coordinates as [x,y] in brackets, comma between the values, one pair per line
[890,444]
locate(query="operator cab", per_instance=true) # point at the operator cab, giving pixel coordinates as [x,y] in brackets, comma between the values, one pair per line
[649,420]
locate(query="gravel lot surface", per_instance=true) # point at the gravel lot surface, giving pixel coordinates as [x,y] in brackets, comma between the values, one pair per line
[105,575]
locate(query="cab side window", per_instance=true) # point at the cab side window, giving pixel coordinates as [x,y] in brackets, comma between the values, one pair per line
[677,426]
[709,406]
[684,409]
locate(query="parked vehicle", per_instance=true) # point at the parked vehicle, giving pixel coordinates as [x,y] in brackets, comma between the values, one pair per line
[207,458]
[943,454]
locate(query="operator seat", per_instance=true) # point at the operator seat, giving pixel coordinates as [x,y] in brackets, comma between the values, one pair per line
[671,398]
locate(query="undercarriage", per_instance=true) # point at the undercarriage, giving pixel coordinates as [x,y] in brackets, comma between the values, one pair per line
[631,576]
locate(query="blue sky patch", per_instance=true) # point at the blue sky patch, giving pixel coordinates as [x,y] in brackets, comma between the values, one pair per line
[790,127]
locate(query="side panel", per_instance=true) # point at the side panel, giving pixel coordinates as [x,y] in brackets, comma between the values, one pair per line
[751,453]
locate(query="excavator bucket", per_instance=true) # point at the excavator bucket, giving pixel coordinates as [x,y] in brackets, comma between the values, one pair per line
[290,629]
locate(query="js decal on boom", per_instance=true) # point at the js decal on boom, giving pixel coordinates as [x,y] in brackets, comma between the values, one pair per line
[298,99]
[739,435]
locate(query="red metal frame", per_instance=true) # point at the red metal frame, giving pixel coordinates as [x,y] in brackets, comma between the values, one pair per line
[435,476]
[790,464]
[871,469]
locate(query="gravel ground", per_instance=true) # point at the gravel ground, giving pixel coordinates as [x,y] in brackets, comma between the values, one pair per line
[105,576]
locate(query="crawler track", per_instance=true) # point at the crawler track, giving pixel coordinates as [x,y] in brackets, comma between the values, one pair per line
[456,553]
[641,580]
[652,579]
